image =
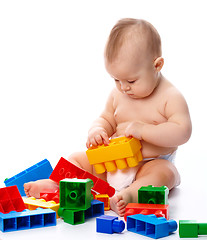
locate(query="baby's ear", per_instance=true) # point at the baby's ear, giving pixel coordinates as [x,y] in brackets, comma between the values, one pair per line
[158,63]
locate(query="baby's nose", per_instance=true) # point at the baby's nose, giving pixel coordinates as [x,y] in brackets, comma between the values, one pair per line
[125,87]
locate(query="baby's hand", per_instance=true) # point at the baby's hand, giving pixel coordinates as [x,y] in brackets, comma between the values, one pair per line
[97,136]
[134,129]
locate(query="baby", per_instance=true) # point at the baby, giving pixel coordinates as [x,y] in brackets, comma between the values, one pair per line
[143,105]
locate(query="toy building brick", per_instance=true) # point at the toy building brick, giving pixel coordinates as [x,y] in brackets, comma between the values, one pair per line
[153,195]
[105,199]
[11,200]
[120,153]
[32,203]
[65,169]
[72,216]
[75,200]
[150,225]
[109,224]
[41,170]
[159,210]
[27,219]
[50,195]
[76,216]
[75,193]
[96,209]
[191,229]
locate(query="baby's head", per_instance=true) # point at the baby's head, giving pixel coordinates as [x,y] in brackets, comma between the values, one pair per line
[133,57]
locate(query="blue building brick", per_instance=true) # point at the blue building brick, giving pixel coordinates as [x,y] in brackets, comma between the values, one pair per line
[109,224]
[96,209]
[41,170]
[150,225]
[27,219]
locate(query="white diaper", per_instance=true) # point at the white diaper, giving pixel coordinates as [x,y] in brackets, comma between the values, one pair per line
[170,157]
[120,179]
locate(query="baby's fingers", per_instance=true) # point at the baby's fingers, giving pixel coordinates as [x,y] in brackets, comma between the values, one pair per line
[127,132]
[91,142]
[105,138]
[88,143]
[98,139]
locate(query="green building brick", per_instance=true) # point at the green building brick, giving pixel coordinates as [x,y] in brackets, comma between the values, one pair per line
[153,195]
[191,229]
[73,217]
[75,194]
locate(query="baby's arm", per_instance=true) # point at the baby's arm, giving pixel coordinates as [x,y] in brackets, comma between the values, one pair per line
[103,127]
[172,133]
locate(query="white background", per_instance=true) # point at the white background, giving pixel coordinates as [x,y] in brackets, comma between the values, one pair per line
[53,83]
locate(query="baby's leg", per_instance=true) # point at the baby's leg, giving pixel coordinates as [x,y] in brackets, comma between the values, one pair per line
[158,172]
[79,159]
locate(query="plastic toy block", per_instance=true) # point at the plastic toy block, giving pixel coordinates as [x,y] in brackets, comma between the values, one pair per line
[96,209]
[120,153]
[65,169]
[51,195]
[41,170]
[100,186]
[93,193]
[159,210]
[191,229]
[150,225]
[76,193]
[11,200]
[27,219]
[105,199]
[109,224]
[76,216]
[32,203]
[153,195]
[73,217]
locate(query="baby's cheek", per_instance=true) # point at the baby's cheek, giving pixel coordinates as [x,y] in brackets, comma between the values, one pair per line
[118,86]
[144,91]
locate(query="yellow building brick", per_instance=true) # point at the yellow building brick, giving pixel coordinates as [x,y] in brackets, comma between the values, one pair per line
[120,153]
[105,199]
[32,203]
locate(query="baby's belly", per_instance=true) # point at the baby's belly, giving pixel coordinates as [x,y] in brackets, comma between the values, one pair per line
[150,150]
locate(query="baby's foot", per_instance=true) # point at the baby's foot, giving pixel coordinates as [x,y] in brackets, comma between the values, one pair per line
[118,204]
[33,189]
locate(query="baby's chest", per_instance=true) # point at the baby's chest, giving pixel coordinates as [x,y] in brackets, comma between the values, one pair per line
[147,112]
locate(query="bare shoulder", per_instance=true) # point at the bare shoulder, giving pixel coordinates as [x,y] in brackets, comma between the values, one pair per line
[168,89]
[171,94]
[109,107]
[115,96]
[115,93]
[175,102]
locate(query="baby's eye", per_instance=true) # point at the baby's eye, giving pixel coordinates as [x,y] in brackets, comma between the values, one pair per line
[116,80]
[131,82]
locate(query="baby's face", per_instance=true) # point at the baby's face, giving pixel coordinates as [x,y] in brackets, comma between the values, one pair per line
[134,75]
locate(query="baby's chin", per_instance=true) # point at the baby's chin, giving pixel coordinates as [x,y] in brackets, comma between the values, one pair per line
[133,96]
[136,96]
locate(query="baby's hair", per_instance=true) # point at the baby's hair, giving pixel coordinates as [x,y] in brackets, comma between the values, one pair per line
[128,29]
